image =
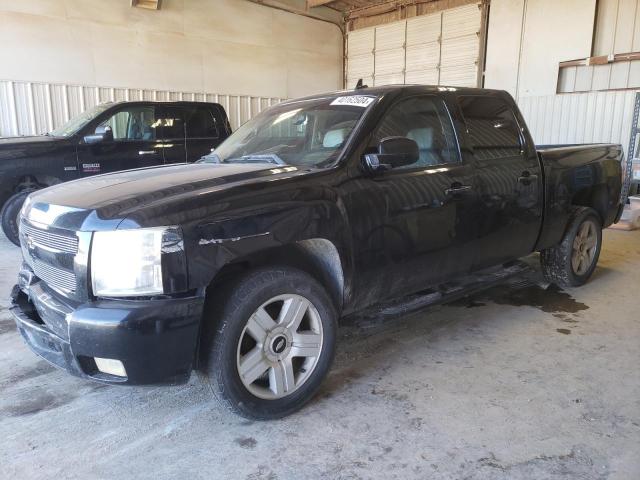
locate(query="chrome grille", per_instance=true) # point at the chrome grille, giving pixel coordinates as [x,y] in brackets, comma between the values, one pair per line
[53,276]
[50,240]
[50,255]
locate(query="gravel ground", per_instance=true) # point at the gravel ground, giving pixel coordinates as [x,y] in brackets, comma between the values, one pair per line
[514,383]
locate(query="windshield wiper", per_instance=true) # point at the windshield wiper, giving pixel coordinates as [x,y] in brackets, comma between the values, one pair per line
[257,158]
[209,158]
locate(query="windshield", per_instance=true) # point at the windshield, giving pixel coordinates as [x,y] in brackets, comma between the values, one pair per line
[308,133]
[76,123]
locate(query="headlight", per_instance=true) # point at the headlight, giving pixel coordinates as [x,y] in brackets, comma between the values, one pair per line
[126,263]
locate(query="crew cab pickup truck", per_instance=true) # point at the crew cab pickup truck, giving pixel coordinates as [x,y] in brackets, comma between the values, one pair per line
[240,266]
[106,138]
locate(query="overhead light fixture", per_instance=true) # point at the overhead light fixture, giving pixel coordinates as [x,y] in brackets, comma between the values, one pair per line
[148,4]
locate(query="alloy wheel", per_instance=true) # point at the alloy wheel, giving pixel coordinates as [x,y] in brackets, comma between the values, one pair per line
[279,346]
[584,247]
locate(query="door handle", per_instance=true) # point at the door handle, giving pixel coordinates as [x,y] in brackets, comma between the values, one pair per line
[147,152]
[457,189]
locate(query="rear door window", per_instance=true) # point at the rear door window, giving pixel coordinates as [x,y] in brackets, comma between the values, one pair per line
[170,122]
[200,122]
[492,127]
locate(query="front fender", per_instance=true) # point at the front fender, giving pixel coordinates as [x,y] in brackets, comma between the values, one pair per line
[212,245]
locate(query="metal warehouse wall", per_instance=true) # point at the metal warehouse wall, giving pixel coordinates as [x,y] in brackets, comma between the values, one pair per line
[580,117]
[527,39]
[230,47]
[28,108]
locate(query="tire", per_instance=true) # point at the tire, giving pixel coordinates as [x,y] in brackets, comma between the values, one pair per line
[243,339]
[9,216]
[573,260]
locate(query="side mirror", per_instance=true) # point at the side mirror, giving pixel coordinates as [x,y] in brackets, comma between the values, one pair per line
[393,152]
[103,133]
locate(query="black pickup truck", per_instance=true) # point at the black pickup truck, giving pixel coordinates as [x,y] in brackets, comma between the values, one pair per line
[106,138]
[240,266]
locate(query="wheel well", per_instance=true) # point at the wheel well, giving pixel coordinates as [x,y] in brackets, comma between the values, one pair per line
[317,256]
[594,197]
[28,182]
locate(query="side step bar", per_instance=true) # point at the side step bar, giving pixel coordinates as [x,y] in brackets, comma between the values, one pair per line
[450,291]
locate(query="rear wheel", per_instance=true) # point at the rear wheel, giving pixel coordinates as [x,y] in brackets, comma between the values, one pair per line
[273,343]
[573,260]
[10,216]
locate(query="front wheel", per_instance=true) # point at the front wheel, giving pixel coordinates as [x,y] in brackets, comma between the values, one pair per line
[573,260]
[9,216]
[273,343]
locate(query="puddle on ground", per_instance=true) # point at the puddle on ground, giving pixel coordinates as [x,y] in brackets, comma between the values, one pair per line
[550,300]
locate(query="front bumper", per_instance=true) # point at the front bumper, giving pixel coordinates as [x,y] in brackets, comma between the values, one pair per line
[155,339]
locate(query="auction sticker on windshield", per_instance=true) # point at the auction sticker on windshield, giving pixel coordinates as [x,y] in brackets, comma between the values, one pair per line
[354,100]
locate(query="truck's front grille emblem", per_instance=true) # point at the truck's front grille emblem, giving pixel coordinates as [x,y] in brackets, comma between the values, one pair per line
[49,240]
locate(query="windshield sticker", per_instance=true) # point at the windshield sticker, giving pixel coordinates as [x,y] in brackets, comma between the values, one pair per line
[354,101]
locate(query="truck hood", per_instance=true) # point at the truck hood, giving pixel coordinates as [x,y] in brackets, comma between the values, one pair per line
[105,201]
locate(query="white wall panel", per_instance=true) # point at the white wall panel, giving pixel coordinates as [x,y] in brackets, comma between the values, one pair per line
[460,46]
[580,117]
[459,75]
[389,61]
[460,51]
[617,27]
[423,77]
[390,53]
[423,49]
[553,32]
[424,29]
[527,39]
[457,22]
[34,108]
[390,36]
[390,79]
[360,63]
[440,48]
[423,57]
[187,45]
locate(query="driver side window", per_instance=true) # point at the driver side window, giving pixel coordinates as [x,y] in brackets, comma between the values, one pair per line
[426,121]
[136,123]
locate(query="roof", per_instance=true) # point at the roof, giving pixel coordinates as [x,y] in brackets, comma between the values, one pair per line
[158,102]
[384,89]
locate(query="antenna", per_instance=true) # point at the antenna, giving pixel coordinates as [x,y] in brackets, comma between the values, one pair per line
[360,86]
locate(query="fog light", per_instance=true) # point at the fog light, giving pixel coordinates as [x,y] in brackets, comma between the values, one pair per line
[110,366]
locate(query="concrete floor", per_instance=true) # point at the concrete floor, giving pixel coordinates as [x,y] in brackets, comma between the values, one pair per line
[512,384]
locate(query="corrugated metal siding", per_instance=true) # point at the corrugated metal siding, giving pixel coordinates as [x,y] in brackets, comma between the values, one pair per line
[439,48]
[460,46]
[580,117]
[28,108]
[423,49]
[360,46]
[389,53]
